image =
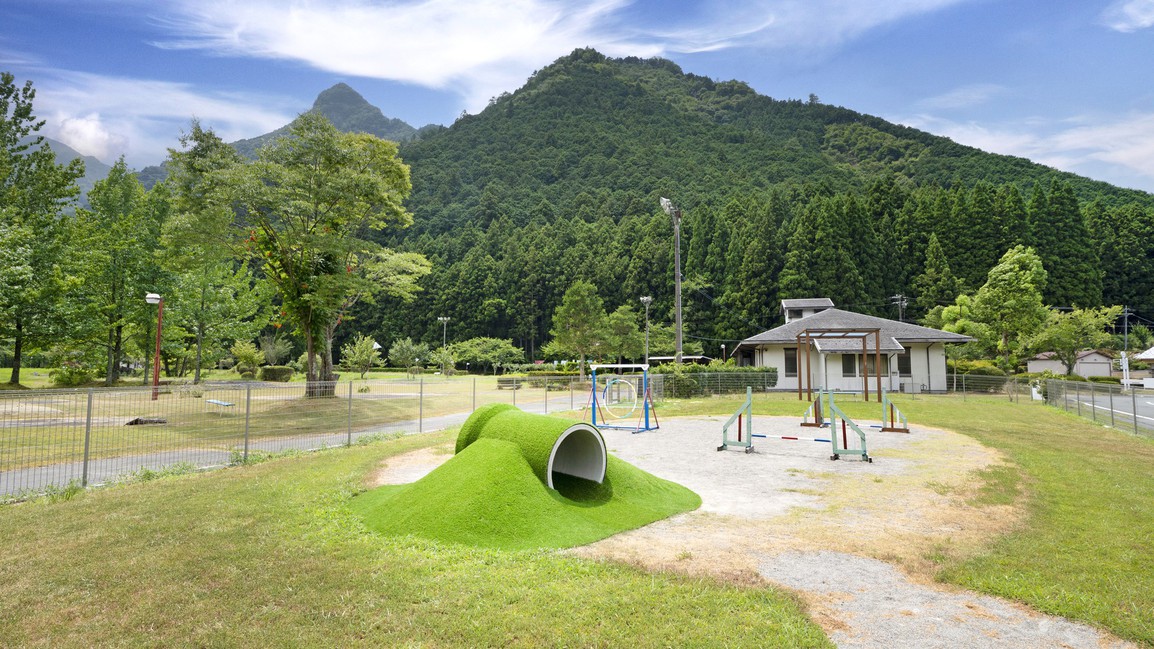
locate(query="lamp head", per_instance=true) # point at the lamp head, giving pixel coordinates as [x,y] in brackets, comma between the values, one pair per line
[152,298]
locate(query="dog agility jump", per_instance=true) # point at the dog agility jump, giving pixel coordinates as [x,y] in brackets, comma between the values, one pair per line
[742,434]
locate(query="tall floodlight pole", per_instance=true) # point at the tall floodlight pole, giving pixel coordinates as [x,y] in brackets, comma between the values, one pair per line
[444,320]
[154,298]
[675,213]
[647,300]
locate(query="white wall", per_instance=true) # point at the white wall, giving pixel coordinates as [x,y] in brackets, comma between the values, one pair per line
[927,366]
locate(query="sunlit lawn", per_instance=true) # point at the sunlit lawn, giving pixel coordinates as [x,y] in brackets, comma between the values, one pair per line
[269,555]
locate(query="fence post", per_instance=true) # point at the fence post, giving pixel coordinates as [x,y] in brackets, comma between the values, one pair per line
[571,393]
[1093,405]
[421,408]
[247,414]
[546,394]
[963,387]
[350,440]
[1110,390]
[1134,407]
[87,438]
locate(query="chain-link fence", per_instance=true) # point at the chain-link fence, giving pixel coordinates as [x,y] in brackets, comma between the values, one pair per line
[1130,409]
[53,438]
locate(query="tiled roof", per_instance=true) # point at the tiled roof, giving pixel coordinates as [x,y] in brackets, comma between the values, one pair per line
[808,303]
[891,330]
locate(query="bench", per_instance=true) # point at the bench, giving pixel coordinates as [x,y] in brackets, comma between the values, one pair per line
[508,382]
[224,405]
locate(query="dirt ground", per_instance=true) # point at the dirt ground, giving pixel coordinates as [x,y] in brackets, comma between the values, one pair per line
[831,531]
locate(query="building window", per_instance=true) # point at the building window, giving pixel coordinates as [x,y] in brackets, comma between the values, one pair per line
[791,361]
[904,366]
[794,314]
[871,370]
[848,365]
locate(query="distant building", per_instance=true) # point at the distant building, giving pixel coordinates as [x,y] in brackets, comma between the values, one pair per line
[913,358]
[1090,363]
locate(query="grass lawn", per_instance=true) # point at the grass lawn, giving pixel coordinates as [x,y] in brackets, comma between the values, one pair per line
[271,555]
[1086,550]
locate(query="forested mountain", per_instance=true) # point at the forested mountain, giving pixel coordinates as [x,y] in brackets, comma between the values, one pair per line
[349,112]
[94,169]
[560,180]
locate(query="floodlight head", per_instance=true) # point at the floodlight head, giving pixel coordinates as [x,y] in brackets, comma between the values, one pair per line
[667,205]
[152,298]
[647,300]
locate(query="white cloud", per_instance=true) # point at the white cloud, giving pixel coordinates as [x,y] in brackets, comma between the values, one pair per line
[1129,15]
[108,116]
[1099,148]
[963,97]
[480,48]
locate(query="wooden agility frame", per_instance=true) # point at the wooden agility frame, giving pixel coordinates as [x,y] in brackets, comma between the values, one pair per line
[808,338]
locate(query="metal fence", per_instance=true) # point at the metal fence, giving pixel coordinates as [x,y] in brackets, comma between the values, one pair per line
[53,438]
[1130,409]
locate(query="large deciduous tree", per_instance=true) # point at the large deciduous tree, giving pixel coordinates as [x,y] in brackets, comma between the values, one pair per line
[34,190]
[1066,334]
[1008,309]
[308,205]
[217,296]
[120,236]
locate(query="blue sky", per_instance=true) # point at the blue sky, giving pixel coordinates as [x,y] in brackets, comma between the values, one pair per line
[1062,82]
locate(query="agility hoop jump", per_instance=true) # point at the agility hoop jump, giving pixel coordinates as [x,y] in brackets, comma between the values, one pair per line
[619,397]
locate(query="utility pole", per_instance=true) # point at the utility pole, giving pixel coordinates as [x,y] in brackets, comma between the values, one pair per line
[901,301]
[675,213]
[1125,347]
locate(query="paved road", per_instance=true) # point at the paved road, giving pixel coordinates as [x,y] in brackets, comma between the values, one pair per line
[1113,408]
[104,470]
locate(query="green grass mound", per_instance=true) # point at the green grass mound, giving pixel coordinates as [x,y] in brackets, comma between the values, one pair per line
[487,495]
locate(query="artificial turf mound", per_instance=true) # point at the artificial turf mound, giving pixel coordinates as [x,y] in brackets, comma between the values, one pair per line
[494,492]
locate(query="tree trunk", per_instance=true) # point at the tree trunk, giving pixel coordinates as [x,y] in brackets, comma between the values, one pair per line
[17,352]
[199,345]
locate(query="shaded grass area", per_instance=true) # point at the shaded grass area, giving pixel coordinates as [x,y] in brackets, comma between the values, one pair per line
[1085,549]
[487,495]
[271,555]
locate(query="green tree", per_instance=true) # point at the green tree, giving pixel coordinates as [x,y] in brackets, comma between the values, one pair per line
[405,353]
[1010,304]
[1063,243]
[120,236]
[936,285]
[487,352]
[34,192]
[579,323]
[623,338]
[216,298]
[1066,334]
[361,354]
[306,207]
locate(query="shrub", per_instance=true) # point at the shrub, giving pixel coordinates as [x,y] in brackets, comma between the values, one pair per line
[248,357]
[247,376]
[70,375]
[1115,380]
[276,373]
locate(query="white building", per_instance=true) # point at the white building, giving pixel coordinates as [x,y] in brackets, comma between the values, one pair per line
[1089,363]
[844,347]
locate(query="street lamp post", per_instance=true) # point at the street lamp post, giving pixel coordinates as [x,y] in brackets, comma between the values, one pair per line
[675,212]
[444,320]
[723,359]
[155,298]
[647,300]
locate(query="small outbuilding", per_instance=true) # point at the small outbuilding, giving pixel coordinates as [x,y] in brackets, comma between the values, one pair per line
[820,345]
[1090,362]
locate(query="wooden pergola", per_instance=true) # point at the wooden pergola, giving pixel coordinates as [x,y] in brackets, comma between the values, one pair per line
[809,338]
